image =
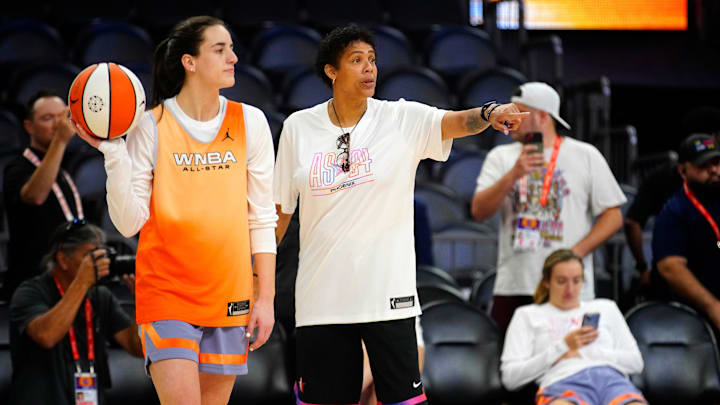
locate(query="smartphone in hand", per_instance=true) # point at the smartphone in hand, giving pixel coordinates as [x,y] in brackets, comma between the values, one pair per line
[534,138]
[591,319]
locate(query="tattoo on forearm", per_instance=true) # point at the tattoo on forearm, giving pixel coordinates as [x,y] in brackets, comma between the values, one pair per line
[474,122]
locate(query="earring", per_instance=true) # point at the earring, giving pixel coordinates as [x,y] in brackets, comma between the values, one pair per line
[192,69]
[333,81]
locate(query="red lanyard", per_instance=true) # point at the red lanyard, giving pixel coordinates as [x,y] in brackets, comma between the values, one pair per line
[550,170]
[703,211]
[89,331]
[29,155]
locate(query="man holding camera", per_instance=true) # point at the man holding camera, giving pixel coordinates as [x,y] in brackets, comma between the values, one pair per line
[548,188]
[54,356]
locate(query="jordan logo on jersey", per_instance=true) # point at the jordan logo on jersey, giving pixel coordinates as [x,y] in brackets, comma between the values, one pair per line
[227,136]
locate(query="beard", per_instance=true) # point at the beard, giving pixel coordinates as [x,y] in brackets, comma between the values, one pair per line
[709,191]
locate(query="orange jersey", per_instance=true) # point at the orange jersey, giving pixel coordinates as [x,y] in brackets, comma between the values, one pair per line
[193,257]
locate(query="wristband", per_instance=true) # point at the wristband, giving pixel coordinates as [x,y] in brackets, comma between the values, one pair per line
[484,109]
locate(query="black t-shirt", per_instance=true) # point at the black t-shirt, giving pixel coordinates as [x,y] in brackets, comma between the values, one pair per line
[654,191]
[680,230]
[29,226]
[45,376]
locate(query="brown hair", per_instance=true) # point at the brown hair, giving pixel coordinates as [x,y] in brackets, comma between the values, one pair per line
[542,294]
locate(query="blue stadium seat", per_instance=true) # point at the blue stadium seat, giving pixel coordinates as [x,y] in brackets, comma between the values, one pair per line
[121,43]
[461,174]
[303,89]
[392,48]
[463,247]
[462,355]
[251,87]
[275,120]
[89,174]
[28,41]
[56,77]
[415,84]
[482,86]
[284,48]
[453,51]
[444,206]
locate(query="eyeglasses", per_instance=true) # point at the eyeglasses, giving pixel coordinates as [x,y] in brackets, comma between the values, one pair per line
[343,143]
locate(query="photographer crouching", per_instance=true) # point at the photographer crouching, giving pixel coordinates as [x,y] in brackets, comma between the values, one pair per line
[55,359]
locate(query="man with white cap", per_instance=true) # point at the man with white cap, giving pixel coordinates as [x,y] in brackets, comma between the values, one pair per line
[549,189]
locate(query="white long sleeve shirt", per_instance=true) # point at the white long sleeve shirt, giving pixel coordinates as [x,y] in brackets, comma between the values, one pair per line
[535,340]
[129,166]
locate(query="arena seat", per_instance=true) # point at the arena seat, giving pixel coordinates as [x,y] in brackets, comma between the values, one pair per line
[453,51]
[481,294]
[431,275]
[680,354]
[444,206]
[251,87]
[414,83]
[303,89]
[285,48]
[121,43]
[28,41]
[56,77]
[429,294]
[393,49]
[462,355]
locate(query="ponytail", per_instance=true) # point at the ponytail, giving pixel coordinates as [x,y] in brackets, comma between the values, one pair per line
[168,76]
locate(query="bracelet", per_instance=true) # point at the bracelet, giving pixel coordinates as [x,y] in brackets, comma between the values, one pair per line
[490,110]
[484,108]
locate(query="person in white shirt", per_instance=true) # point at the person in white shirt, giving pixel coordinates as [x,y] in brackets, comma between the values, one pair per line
[572,362]
[194,177]
[564,197]
[351,161]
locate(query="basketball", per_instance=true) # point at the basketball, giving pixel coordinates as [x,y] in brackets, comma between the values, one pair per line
[106,100]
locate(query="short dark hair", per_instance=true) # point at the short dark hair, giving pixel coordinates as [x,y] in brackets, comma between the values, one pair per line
[69,236]
[335,43]
[30,106]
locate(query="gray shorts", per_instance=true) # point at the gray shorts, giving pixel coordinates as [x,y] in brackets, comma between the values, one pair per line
[217,350]
[592,386]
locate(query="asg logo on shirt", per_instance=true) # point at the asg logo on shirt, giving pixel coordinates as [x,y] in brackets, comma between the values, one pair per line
[210,161]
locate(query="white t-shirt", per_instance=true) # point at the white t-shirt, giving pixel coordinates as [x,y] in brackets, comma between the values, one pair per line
[357,255]
[130,165]
[582,188]
[535,339]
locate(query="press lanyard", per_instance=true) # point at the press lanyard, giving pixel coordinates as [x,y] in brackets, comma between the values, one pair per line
[547,180]
[703,211]
[89,331]
[29,155]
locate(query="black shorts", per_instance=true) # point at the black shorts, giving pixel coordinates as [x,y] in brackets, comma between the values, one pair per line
[330,362]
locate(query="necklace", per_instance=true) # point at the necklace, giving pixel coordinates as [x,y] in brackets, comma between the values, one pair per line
[332,103]
[343,141]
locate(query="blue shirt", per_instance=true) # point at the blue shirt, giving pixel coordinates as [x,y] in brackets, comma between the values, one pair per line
[680,230]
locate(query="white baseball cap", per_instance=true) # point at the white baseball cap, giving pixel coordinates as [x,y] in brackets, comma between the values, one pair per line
[541,97]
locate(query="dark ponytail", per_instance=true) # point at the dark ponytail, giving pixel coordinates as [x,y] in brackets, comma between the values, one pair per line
[168,71]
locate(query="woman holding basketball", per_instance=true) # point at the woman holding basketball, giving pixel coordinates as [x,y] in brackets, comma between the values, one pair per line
[352,163]
[193,178]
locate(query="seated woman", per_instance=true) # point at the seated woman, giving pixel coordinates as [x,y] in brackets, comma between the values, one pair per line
[573,363]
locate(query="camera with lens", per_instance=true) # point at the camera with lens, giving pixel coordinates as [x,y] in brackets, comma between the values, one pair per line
[119,264]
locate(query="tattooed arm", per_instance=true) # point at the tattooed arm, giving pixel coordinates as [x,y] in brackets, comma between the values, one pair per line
[457,124]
